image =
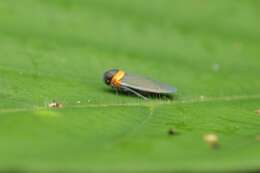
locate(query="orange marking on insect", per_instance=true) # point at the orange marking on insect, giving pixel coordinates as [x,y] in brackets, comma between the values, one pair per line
[116,80]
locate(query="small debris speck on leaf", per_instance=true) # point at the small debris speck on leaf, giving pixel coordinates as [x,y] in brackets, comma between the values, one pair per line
[54,104]
[215,67]
[212,140]
[258,111]
[202,98]
[172,132]
[257,138]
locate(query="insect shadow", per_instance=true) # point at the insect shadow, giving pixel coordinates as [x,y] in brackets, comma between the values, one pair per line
[146,94]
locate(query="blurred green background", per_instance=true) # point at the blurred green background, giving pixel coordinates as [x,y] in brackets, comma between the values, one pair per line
[59,49]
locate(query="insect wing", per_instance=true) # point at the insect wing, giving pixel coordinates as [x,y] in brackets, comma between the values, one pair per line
[146,85]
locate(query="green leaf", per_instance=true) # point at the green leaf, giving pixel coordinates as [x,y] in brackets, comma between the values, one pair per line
[59,49]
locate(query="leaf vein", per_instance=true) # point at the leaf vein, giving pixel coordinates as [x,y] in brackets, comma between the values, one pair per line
[200,99]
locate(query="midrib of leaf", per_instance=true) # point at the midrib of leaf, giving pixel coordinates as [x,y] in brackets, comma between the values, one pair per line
[149,104]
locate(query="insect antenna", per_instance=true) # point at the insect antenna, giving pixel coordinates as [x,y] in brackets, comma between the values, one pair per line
[134,92]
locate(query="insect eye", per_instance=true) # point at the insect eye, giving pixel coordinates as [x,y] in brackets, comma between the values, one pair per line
[108,81]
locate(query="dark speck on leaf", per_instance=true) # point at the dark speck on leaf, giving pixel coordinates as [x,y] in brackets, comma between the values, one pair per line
[172,132]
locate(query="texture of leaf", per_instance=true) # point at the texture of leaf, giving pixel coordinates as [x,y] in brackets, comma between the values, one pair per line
[59,49]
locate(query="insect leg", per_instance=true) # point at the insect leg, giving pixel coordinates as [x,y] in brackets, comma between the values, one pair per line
[134,92]
[116,90]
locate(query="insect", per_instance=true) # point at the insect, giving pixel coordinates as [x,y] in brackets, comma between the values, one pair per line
[140,86]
